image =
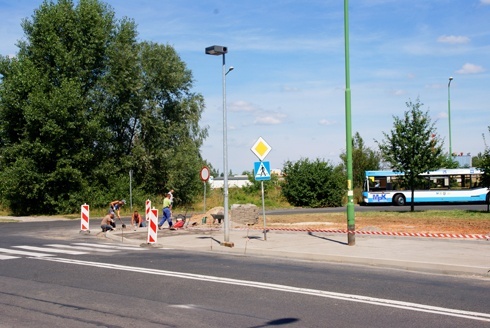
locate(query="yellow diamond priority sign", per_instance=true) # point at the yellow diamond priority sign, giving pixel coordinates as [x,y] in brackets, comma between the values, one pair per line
[261,148]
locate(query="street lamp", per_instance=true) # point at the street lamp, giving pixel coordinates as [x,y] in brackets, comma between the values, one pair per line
[351,220]
[449,115]
[218,51]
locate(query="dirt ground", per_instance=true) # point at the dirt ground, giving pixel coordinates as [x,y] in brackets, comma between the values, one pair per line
[386,222]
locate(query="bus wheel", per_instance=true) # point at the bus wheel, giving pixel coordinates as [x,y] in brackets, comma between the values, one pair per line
[399,200]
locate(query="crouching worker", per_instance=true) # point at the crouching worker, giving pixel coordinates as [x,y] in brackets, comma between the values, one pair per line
[107,222]
[115,208]
[137,221]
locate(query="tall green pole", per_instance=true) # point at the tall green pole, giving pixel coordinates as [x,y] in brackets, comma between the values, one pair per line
[449,116]
[351,221]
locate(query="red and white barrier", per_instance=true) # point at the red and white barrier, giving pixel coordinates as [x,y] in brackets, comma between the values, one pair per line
[148,207]
[385,233]
[85,218]
[152,226]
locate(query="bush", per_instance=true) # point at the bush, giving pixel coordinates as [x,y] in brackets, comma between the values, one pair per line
[313,184]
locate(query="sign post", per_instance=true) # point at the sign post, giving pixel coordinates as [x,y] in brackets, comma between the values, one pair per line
[262,170]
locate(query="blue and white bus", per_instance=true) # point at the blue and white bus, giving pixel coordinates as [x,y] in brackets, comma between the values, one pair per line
[441,186]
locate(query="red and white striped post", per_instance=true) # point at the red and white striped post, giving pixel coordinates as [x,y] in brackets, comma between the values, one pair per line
[152,227]
[85,218]
[148,207]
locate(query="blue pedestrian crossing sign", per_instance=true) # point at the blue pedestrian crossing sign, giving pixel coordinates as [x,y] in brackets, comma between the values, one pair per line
[262,171]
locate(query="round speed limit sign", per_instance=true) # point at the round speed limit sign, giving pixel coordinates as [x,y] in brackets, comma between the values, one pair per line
[204,174]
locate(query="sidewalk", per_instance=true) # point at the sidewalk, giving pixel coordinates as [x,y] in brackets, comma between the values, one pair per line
[441,256]
[451,256]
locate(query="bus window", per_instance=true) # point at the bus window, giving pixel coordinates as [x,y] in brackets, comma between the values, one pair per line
[377,183]
[439,182]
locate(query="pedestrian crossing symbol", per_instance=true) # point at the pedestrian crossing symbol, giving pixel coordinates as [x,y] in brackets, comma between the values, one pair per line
[262,171]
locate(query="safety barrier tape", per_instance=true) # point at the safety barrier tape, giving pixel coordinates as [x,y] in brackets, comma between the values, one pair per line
[386,233]
[361,232]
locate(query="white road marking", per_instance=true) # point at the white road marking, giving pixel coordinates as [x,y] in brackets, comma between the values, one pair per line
[306,291]
[17,252]
[7,257]
[73,249]
[83,248]
[109,246]
[51,250]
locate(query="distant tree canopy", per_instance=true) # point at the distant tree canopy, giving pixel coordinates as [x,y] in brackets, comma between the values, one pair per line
[412,147]
[363,159]
[83,103]
[313,184]
[484,165]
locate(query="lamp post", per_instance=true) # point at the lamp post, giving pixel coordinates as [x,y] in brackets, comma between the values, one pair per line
[221,51]
[449,115]
[351,221]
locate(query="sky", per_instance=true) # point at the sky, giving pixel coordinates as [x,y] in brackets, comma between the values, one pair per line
[288,83]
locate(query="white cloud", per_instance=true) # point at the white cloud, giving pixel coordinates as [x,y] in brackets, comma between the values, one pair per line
[270,119]
[442,115]
[242,106]
[453,39]
[470,69]
[485,2]
[397,92]
[434,86]
[287,88]
[326,122]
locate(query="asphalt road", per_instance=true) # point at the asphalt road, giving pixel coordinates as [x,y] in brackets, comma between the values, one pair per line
[383,208]
[126,286]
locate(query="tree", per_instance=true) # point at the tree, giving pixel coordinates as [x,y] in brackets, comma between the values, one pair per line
[412,147]
[313,184]
[83,103]
[484,165]
[449,163]
[363,159]
[256,186]
[169,137]
[477,160]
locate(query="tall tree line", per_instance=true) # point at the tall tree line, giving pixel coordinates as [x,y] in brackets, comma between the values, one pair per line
[83,103]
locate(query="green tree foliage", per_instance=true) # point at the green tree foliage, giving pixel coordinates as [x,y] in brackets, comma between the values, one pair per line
[83,103]
[484,165]
[255,186]
[449,163]
[412,146]
[477,160]
[363,159]
[313,184]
